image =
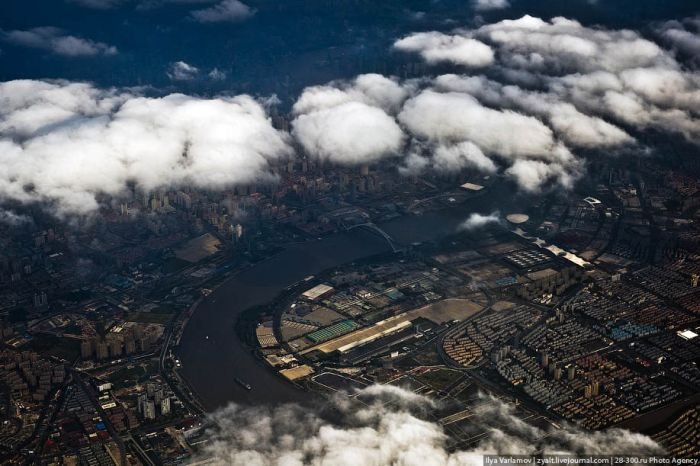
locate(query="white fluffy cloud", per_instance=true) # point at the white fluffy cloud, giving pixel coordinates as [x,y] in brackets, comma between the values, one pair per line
[462,155]
[612,73]
[67,143]
[446,158]
[436,47]
[392,426]
[570,124]
[57,41]
[224,11]
[657,97]
[476,221]
[564,45]
[348,133]
[455,117]
[530,175]
[447,130]
[554,87]
[371,89]
[350,123]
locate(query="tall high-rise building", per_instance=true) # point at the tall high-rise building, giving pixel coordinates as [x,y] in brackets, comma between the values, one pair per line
[143,344]
[557,373]
[183,200]
[86,349]
[149,410]
[165,406]
[238,231]
[142,399]
[40,299]
[102,350]
[115,348]
[129,345]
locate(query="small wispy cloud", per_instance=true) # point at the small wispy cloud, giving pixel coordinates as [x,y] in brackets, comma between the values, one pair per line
[485,5]
[58,42]
[182,71]
[12,218]
[224,11]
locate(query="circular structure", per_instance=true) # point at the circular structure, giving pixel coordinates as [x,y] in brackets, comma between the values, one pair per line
[517,219]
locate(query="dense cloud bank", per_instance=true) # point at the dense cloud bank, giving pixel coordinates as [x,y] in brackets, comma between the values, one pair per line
[526,99]
[544,92]
[392,426]
[65,143]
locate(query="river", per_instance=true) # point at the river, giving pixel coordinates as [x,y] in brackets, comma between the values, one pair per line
[211,364]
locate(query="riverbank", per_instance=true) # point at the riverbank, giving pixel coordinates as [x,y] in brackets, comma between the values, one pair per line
[212,353]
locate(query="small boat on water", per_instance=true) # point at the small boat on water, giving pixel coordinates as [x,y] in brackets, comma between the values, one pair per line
[243,383]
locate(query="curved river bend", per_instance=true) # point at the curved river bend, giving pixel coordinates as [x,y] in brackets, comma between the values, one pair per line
[210,365]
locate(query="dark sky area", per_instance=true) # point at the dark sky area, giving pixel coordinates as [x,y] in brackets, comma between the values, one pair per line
[282,47]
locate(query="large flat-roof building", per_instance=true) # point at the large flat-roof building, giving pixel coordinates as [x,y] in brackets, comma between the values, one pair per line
[317,292]
[472,187]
